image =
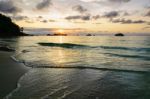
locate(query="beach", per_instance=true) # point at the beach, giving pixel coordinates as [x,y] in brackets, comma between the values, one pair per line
[10,73]
[74,49]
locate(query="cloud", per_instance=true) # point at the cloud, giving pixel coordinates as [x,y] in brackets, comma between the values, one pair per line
[29,21]
[110,3]
[79,22]
[147,7]
[79,17]
[40,17]
[79,9]
[148,14]
[86,17]
[111,14]
[97,23]
[7,6]
[119,1]
[44,4]
[106,0]
[88,0]
[19,18]
[96,17]
[127,21]
[146,28]
[44,21]
[52,20]
[126,14]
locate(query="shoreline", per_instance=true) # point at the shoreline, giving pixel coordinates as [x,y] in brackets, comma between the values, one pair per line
[10,73]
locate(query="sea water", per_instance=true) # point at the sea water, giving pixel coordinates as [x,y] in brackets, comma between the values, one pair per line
[80,67]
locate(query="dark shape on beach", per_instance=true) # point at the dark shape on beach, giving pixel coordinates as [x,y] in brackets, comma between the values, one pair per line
[8,28]
[119,34]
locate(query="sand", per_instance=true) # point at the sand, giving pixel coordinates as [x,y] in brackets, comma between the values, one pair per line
[10,72]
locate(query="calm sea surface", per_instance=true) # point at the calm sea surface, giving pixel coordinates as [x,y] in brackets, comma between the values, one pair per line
[74,67]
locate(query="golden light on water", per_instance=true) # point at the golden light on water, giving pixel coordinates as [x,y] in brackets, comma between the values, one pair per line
[60,39]
[61,56]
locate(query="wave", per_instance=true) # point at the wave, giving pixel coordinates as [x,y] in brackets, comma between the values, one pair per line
[79,67]
[147,58]
[64,45]
[73,67]
[125,48]
[94,68]
[71,45]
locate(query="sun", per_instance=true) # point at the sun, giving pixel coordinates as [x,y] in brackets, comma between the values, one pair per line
[61,31]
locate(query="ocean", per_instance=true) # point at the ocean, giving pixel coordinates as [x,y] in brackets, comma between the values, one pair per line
[81,67]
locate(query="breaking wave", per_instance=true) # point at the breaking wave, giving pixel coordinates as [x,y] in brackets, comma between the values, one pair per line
[79,67]
[71,45]
[64,45]
[146,58]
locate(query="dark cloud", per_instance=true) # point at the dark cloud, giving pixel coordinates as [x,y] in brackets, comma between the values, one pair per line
[148,14]
[111,14]
[83,17]
[127,21]
[7,6]
[111,3]
[44,4]
[19,18]
[79,9]
[86,17]
[44,21]
[79,17]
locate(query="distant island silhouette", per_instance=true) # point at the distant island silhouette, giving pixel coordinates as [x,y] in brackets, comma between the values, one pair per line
[8,28]
[119,34]
[89,35]
[57,34]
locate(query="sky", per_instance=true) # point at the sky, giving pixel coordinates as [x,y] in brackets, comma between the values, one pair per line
[95,16]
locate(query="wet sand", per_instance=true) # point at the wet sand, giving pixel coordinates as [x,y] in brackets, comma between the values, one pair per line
[10,72]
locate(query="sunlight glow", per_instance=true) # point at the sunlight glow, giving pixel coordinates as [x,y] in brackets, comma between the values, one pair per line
[61,31]
[60,39]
